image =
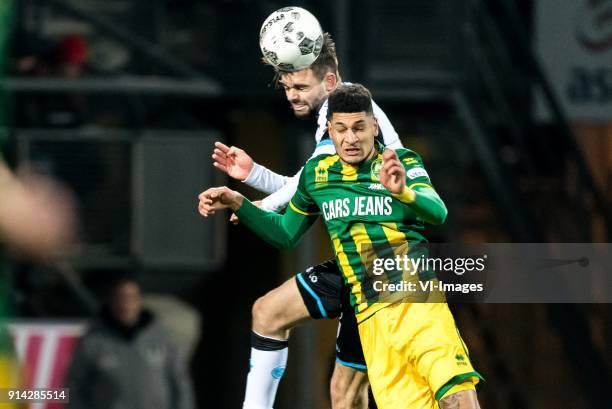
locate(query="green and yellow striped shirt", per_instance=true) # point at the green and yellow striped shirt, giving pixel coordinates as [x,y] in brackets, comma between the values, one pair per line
[363,219]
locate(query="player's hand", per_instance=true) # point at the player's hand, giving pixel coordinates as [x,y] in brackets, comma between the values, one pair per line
[218,198]
[38,217]
[392,172]
[234,219]
[233,161]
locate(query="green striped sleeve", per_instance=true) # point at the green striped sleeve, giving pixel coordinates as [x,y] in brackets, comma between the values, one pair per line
[283,231]
[427,205]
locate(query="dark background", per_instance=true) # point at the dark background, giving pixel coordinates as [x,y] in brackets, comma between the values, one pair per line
[455,78]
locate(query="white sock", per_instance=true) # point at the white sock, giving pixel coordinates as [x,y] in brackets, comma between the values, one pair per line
[268,361]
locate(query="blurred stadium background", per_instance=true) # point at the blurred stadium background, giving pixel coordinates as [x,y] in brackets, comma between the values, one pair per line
[508,101]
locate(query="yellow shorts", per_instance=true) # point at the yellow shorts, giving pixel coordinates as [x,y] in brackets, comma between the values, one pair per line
[415,356]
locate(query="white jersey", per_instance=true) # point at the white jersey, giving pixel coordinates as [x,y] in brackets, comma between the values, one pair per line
[282,188]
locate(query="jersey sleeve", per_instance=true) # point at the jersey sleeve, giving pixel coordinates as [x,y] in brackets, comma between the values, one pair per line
[265,180]
[416,175]
[302,202]
[390,137]
[426,203]
[283,231]
[280,198]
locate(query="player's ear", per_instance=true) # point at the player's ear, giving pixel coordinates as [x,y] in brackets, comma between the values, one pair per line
[375,125]
[331,81]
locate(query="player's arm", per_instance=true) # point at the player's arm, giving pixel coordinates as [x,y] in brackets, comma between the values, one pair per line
[280,199]
[390,136]
[283,231]
[420,196]
[239,165]
[37,216]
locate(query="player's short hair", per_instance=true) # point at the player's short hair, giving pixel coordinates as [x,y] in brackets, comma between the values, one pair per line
[327,61]
[348,98]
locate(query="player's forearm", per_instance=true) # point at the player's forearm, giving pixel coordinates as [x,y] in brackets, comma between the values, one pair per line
[7,187]
[425,203]
[280,199]
[283,231]
[265,180]
[6,177]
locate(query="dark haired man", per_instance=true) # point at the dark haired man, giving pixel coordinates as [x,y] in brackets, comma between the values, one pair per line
[319,291]
[375,201]
[125,360]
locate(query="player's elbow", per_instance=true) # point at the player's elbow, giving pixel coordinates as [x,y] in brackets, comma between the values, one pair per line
[443,214]
[439,216]
[285,243]
[291,243]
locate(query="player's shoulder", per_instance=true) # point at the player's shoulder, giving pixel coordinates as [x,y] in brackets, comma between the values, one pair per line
[406,154]
[376,108]
[323,160]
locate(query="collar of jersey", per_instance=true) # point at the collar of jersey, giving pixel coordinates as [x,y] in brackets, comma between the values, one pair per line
[380,148]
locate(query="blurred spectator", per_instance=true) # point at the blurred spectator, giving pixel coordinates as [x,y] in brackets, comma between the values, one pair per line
[65,59]
[72,54]
[125,360]
[38,56]
[32,53]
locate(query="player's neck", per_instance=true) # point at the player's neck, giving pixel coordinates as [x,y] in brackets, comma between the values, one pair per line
[371,155]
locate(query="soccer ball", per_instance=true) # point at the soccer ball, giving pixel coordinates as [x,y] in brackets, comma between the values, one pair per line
[290,39]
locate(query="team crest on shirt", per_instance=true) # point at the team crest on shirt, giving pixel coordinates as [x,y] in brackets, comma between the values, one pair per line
[375,169]
[321,174]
